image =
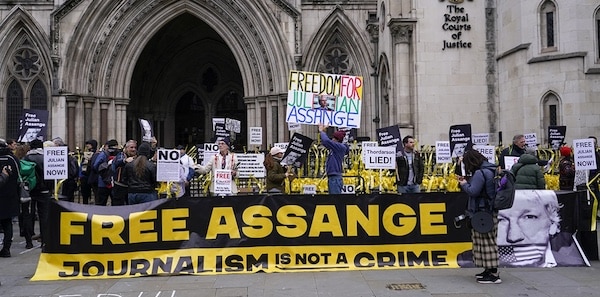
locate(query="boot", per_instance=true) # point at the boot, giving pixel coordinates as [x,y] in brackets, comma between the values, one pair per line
[5,252]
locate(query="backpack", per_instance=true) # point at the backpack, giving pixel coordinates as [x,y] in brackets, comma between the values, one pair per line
[28,173]
[504,182]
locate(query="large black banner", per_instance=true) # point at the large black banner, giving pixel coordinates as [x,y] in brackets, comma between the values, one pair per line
[279,233]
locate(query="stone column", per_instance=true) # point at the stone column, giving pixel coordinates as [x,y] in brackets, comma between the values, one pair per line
[72,123]
[88,119]
[401,73]
[104,123]
[121,119]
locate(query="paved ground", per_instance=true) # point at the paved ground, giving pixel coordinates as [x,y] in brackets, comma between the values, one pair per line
[16,271]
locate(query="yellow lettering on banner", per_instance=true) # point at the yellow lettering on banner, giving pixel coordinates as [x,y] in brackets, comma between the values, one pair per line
[67,220]
[174,225]
[325,220]
[406,223]
[222,221]
[140,225]
[292,219]
[258,220]
[432,218]
[356,217]
[109,227]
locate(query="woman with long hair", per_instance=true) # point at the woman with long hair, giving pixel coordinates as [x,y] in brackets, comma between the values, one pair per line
[480,189]
[140,177]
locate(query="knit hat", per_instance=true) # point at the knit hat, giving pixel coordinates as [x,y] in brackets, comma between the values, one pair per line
[93,143]
[565,151]
[227,141]
[339,135]
[276,150]
[112,143]
[36,144]
[145,150]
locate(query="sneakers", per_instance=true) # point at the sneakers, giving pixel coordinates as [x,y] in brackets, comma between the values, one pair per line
[489,278]
[482,274]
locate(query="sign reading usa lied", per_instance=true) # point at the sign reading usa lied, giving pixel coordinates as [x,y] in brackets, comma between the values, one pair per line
[328,99]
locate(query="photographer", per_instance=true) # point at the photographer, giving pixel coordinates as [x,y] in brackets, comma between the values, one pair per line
[480,188]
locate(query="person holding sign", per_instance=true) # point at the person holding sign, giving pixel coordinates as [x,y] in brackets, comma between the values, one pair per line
[140,176]
[223,160]
[276,174]
[516,149]
[333,164]
[410,167]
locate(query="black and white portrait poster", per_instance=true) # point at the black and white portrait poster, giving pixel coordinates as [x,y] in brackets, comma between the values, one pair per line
[389,136]
[297,150]
[556,136]
[460,139]
[32,125]
[146,130]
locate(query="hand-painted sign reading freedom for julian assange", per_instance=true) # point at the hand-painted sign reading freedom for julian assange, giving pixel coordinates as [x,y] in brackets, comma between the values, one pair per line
[319,98]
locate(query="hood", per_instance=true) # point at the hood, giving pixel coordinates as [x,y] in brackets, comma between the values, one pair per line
[488,165]
[528,159]
[94,144]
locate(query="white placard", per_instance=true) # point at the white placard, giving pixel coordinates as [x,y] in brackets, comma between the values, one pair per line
[251,165]
[222,181]
[309,189]
[531,140]
[56,162]
[480,138]
[281,145]
[488,151]
[381,157]
[509,161]
[255,136]
[442,152]
[294,127]
[348,189]
[585,154]
[369,144]
[168,165]
[210,149]
[233,125]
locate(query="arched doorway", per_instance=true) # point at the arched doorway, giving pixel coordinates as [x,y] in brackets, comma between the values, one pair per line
[185,76]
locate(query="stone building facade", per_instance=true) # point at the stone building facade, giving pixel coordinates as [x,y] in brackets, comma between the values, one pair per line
[98,66]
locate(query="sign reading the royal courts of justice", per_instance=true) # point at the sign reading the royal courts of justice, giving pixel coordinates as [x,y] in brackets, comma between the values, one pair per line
[328,99]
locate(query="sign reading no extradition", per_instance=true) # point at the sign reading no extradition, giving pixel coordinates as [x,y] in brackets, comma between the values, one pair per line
[55,162]
[168,165]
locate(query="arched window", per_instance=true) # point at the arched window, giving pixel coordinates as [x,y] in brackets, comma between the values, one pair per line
[548,26]
[14,108]
[597,27]
[39,96]
[551,111]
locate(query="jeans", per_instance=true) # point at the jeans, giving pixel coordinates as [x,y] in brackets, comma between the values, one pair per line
[335,184]
[136,198]
[409,189]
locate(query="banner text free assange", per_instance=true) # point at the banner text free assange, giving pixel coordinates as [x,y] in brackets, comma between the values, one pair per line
[257,221]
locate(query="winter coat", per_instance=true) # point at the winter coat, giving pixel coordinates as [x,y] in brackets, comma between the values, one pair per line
[528,174]
[480,189]
[275,177]
[566,171]
[9,186]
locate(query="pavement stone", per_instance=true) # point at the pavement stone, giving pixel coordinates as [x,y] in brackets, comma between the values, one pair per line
[528,282]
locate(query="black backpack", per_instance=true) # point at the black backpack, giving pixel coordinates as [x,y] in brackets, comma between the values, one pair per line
[504,181]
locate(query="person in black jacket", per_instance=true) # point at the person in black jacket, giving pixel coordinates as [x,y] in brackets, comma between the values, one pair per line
[41,194]
[516,149]
[140,177]
[9,200]
[410,167]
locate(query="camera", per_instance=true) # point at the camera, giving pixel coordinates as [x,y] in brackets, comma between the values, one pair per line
[458,220]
